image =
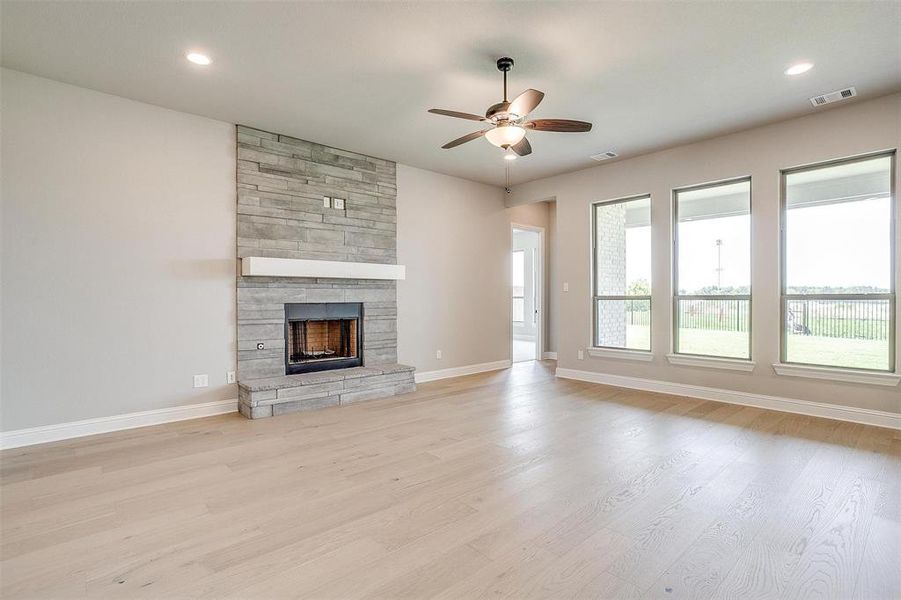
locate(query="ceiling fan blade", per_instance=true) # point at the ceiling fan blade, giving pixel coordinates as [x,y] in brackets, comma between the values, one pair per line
[466,138]
[459,115]
[522,147]
[525,102]
[564,125]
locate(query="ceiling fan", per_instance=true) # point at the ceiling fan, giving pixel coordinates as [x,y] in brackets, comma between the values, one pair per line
[508,120]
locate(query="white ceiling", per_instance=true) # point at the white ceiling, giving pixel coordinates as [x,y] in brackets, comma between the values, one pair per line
[361,76]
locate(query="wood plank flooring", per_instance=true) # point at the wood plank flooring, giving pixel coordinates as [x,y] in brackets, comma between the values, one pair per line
[505,485]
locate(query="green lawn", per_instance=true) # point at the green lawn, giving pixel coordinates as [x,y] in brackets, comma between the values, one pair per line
[733,344]
[844,352]
[811,349]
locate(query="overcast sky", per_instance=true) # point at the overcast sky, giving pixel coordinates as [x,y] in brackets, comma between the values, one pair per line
[836,245]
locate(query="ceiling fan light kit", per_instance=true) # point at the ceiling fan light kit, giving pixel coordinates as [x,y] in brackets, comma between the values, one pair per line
[507,120]
[505,135]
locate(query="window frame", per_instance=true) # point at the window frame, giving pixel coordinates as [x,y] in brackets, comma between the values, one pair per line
[785,298]
[594,277]
[675,263]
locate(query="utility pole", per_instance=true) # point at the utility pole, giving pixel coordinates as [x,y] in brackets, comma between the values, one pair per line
[719,263]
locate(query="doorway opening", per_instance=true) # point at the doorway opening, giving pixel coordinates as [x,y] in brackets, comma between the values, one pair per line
[527,262]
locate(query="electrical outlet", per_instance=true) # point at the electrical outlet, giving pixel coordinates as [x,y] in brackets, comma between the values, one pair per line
[581,355]
[326,202]
[438,354]
[338,203]
[565,286]
[201,380]
[230,377]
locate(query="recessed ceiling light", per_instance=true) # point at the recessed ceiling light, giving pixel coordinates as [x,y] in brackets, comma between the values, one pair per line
[198,59]
[798,68]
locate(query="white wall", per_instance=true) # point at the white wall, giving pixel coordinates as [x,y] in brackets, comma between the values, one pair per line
[454,237]
[118,244]
[844,131]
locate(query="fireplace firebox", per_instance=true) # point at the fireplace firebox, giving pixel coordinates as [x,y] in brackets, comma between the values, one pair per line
[319,337]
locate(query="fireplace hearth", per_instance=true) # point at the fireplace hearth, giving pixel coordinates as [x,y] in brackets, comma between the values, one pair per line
[323,336]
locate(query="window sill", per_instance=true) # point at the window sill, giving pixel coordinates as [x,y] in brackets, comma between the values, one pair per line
[711,362]
[621,354]
[833,374]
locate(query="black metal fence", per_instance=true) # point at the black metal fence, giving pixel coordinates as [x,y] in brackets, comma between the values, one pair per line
[722,315]
[638,312]
[840,318]
[844,318]
[859,318]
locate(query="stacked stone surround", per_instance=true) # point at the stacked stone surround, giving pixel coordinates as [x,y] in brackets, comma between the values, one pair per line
[281,182]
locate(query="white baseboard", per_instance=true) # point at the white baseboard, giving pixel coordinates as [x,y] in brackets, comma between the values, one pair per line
[791,405]
[64,431]
[549,356]
[460,371]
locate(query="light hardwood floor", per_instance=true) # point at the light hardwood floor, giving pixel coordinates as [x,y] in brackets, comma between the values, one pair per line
[508,484]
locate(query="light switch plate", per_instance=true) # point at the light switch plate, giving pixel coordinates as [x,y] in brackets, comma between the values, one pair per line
[565,286]
[230,377]
[326,202]
[338,203]
[201,380]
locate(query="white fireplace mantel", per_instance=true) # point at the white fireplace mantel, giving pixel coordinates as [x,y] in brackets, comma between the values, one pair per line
[260,266]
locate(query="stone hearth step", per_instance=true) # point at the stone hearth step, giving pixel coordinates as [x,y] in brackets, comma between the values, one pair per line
[272,396]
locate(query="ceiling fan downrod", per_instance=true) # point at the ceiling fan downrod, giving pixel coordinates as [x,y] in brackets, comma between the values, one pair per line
[504,64]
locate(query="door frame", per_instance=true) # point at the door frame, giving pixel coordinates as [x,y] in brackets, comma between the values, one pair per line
[539,286]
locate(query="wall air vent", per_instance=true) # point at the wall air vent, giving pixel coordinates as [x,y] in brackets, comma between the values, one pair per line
[834,96]
[604,155]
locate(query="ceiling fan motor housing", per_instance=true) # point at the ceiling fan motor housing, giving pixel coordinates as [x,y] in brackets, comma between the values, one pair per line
[504,64]
[498,111]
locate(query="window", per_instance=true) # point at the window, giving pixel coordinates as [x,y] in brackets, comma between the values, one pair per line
[519,300]
[712,270]
[838,300]
[622,273]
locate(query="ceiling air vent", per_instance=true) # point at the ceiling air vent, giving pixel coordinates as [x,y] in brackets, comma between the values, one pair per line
[604,155]
[834,96]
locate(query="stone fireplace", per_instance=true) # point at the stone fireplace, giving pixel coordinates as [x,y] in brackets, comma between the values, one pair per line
[307,342]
